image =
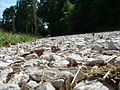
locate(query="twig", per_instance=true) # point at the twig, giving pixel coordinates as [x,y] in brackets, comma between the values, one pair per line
[106,74]
[113,80]
[75,76]
[93,36]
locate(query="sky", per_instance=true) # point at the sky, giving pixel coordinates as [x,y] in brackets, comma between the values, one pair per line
[6,4]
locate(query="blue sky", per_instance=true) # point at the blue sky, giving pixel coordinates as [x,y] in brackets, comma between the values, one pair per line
[5,4]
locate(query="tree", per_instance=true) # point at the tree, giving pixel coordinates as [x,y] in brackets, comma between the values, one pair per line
[81,21]
[62,16]
[34,3]
[106,13]
[23,16]
[51,12]
[9,18]
[64,24]
[26,18]
[57,14]
[92,15]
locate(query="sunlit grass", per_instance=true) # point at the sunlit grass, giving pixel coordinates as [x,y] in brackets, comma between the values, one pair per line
[7,38]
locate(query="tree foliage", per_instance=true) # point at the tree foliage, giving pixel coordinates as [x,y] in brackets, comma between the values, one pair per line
[22,18]
[26,16]
[9,18]
[62,16]
[90,15]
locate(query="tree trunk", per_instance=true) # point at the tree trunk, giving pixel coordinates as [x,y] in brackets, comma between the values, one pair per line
[34,17]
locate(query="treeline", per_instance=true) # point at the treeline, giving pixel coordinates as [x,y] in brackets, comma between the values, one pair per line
[62,16]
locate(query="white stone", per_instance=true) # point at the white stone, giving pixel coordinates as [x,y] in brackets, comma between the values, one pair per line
[74,56]
[32,56]
[2,56]
[4,64]
[19,58]
[45,57]
[80,44]
[59,64]
[84,52]
[22,51]
[9,87]
[33,62]
[74,49]
[107,58]
[90,85]
[4,73]
[32,84]
[8,59]
[19,78]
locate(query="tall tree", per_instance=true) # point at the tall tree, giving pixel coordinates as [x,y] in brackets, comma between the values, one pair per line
[51,12]
[62,16]
[92,15]
[34,8]
[64,24]
[9,18]
[23,16]
[81,21]
[26,18]
[57,14]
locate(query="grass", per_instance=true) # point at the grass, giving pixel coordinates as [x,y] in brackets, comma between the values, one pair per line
[7,38]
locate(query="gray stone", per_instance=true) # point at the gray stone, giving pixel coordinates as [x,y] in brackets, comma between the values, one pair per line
[35,73]
[51,75]
[45,86]
[58,83]
[111,45]
[55,57]
[117,60]
[96,62]
[86,38]
[119,86]
[67,74]
[97,47]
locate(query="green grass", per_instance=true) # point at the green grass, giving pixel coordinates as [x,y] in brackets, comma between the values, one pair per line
[7,38]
